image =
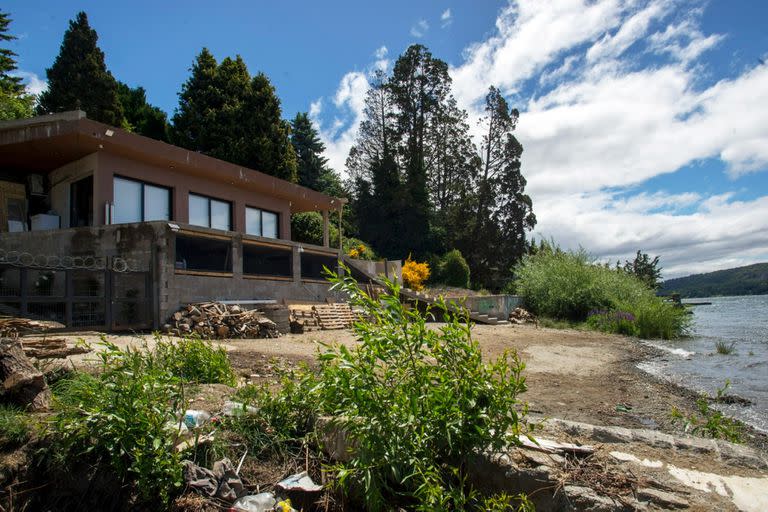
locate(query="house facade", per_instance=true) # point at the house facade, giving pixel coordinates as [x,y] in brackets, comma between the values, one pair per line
[100,227]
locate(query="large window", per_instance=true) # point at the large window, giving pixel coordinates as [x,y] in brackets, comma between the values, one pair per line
[209,212]
[136,201]
[261,222]
[204,254]
[267,261]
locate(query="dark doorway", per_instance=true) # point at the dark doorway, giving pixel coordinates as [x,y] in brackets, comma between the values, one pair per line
[81,203]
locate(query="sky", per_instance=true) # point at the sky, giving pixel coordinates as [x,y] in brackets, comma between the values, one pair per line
[644,122]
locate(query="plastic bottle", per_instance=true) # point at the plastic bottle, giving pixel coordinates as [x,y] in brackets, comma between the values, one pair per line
[194,418]
[263,502]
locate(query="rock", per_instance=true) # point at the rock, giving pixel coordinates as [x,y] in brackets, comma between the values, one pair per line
[663,499]
[22,383]
[586,499]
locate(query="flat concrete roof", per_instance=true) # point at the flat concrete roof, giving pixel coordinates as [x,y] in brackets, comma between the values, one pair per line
[41,144]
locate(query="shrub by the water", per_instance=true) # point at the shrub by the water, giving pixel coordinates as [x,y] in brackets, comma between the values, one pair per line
[454,270]
[568,285]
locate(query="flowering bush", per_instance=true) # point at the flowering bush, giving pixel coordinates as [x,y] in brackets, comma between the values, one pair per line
[415,274]
[618,322]
[359,250]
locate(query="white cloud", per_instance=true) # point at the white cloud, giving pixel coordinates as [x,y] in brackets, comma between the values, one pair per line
[382,62]
[420,29]
[618,100]
[446,18]
[33,83]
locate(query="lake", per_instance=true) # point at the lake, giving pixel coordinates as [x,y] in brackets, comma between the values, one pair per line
[694,362]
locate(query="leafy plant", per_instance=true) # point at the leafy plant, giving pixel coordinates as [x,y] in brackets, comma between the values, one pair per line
[416,402]
[193,359]
[617,322]
[14,426]
[415,274]
[711,422]
[125,416]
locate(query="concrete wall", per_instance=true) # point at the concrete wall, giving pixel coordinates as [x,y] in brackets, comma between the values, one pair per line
[150,246]
[499,306]
[391,268]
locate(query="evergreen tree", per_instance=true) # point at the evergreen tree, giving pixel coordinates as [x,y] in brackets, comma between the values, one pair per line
[420,89]
[140,116]
[645,269]
[313,170]
[225,113]
[79,78]
[15,103]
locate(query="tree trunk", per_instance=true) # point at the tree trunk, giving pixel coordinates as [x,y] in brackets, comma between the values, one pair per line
[22,383]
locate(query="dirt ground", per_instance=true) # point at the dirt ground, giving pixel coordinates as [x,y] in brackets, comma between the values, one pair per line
[573,375]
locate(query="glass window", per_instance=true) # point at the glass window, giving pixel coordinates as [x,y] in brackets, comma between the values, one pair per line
[127,201]
[261,222]
[220,212]
[136,201]
[211,213]
[157,203]
[253,221]
[198,210]
[269,224]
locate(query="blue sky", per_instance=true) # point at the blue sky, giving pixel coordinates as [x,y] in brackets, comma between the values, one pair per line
[644,122]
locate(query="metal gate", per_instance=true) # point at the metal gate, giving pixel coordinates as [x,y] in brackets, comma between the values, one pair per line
[78,297]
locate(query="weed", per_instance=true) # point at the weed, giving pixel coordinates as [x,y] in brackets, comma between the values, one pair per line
[416,402]
[126,414]
[725,348]
[193,359]
[14,427]
[711,422]
[616,322]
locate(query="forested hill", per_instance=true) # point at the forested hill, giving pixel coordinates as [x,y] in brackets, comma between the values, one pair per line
[749,280]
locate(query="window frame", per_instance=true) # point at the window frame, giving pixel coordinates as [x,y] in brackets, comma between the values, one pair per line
[142,197]
[261,222]
[209,199]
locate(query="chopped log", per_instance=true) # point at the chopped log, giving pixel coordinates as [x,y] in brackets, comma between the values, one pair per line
[22,383]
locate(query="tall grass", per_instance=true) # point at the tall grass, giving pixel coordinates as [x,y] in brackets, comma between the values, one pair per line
[569,285]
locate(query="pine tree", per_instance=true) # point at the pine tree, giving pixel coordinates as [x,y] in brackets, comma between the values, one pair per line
[140,116]
[225,113]
[15,103]
[79,79]
[313,170]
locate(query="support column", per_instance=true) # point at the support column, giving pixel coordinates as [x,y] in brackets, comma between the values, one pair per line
[326,230]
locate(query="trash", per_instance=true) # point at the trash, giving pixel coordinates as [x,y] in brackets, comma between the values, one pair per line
[263,502]
[284,506]
[299,482]
[237,409]
[194,418]
[623,408]
[221,482]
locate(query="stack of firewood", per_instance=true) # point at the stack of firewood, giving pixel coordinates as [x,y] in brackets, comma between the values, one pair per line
[51,348]
[521,316]
[217,320]
[13,327]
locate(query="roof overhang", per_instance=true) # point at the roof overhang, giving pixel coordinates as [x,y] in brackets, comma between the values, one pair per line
[41,144]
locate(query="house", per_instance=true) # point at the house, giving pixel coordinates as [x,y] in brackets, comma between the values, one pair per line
[104,228]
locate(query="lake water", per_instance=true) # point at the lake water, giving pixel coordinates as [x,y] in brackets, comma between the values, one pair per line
[694,362]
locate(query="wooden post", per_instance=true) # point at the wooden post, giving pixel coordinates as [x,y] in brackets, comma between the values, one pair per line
[326,235]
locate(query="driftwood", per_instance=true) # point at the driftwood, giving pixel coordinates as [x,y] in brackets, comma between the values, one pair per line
[217,320]
[22,384]
[12,327]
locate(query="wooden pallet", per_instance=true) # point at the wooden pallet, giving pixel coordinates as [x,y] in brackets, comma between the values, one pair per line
[334,316]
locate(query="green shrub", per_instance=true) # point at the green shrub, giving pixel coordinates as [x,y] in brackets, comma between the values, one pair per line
[307,227]
[14,427]
[454,270]
[125,416]
[416,402]
[711,422]
[568,285]
[194,360]
[616,322]
[356,248]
